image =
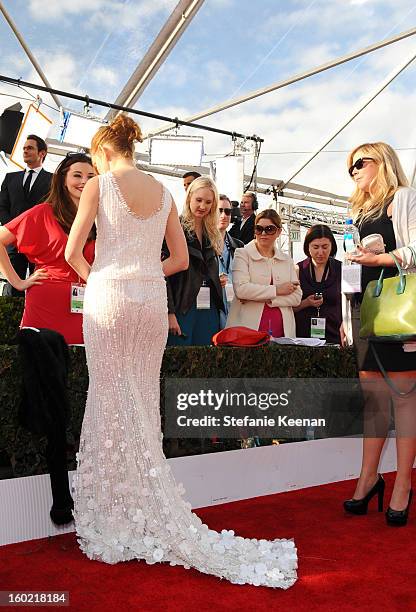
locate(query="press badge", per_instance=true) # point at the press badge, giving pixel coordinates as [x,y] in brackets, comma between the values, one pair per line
[318,325]
[203,301]
[229,292]
[77,297]
[351,278]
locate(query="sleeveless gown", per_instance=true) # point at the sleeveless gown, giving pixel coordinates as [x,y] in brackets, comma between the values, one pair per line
[127,503]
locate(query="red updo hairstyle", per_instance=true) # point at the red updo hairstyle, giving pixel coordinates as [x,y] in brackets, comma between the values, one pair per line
[121,134]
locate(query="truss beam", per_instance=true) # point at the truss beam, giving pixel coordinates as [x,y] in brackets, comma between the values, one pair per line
[165,41]
[296,78]
[28,52]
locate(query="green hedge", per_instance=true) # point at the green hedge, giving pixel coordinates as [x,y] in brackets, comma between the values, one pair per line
[11,310]
[26,451]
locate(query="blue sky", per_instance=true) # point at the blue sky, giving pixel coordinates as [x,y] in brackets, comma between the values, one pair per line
[231,48]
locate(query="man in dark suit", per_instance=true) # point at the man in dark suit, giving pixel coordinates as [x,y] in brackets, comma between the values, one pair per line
[244,229]
[188,177]
[21,191]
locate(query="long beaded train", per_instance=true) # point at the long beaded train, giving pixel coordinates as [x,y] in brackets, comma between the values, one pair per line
[127,503]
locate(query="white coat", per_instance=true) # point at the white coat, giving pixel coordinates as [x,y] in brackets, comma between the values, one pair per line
[252,274]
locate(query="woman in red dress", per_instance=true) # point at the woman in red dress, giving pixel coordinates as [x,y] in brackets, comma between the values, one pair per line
[41,233]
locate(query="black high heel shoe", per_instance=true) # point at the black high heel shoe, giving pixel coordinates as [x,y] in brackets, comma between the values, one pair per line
[398,518]
[359,506]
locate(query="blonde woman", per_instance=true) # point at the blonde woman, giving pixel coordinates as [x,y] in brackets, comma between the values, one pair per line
[195,296]
[265,282]
[382,203]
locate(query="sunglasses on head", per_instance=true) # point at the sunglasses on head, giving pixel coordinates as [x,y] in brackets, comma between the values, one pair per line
[74,155]
[359,164]
[226,211]
[269,230]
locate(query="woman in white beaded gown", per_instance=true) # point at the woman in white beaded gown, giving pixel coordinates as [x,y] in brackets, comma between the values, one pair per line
[127,503]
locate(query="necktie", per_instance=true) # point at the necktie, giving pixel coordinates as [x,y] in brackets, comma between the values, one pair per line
[26,185]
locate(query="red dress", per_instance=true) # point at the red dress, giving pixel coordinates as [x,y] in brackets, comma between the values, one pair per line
[40,237]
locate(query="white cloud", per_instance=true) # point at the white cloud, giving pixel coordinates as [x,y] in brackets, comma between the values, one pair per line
[103,13]
[218,74]
[57,10]
[61,68]
[104,74]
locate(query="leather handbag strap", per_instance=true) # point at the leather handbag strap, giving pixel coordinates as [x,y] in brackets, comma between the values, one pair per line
[387,377]
[412,250]
[401,286]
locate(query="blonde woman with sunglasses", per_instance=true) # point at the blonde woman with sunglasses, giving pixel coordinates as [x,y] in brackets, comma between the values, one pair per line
[384,204]
[265,282]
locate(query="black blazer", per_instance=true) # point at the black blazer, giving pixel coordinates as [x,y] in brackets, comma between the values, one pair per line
[245,233]
[12,197]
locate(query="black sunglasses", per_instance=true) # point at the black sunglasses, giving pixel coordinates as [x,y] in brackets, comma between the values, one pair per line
[269,230]
[359,164]
[78,154]
[226,211]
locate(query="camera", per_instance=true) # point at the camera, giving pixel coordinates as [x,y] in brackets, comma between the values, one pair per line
[235,211]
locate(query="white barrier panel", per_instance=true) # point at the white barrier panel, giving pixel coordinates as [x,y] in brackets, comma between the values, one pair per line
[209,479]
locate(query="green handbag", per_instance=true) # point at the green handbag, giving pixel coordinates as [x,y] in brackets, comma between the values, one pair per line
[388,309]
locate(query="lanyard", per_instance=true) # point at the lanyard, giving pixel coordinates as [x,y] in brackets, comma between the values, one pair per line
[226,266]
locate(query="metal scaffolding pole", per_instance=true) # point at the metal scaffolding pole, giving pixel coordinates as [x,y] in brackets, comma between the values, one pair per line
[296,78]
[28,52]
[87,100]
[264,185]
[163,44]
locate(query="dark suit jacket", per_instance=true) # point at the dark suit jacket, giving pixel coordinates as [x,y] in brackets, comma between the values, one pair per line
[12,197]
[245,233]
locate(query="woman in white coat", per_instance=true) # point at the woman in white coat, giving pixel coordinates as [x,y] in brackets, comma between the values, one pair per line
[266,285]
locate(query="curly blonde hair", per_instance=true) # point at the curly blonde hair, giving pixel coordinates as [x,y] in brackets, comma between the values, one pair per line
[209,223]
[121,134]
[390,176]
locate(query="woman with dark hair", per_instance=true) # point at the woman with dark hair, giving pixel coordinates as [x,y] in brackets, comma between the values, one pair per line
[48,325]
[265,283]
[319,313]
[41,233]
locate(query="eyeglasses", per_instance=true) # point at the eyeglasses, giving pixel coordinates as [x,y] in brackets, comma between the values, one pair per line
[269,230]
[226,211]
[359,164]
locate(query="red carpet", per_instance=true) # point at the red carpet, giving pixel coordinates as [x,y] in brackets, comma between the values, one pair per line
[345,562]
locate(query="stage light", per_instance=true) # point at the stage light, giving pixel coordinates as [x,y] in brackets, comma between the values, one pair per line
[78,129]
[34,122]
[176,150]
[10,122]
